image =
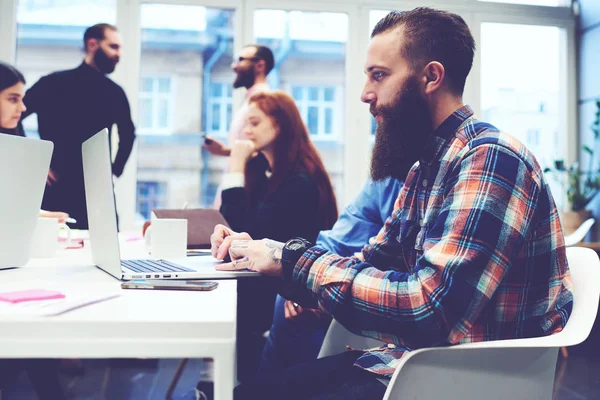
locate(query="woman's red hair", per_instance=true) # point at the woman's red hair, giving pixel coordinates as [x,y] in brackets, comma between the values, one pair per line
[293,152]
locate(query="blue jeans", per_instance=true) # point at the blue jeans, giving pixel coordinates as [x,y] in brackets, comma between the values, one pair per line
[292,341]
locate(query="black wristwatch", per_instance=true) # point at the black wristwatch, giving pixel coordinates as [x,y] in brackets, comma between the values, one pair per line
[291,253]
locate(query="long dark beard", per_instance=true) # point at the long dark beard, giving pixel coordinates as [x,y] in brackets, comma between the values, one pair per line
[105,64]
[401,135]
[244,78]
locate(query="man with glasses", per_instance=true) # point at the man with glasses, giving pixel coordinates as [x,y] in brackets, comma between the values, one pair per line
[251,68]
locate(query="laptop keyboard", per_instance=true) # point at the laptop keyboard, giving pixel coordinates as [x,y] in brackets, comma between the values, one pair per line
[153,266]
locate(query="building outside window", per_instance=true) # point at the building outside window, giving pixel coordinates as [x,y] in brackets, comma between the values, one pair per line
[317,105]
[219,111]
[156,104]
[150,195]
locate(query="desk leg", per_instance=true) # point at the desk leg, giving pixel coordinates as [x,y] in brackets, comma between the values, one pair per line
[225,373]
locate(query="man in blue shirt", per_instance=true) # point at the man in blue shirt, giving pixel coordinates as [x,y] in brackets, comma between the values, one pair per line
[297,334]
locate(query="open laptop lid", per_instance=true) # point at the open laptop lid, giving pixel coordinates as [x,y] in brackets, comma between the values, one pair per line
[100,200]
[24,165]
[201,224]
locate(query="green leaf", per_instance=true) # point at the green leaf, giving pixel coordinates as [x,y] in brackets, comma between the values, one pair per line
[588,150]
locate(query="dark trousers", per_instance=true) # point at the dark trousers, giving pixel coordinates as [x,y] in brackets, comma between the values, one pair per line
[256,298]
[42,374]
[333,378]
[292,341]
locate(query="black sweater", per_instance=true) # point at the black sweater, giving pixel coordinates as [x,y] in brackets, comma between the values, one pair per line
[290,211]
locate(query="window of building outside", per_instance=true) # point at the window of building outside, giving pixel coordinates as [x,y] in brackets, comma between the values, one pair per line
[156,105]
[310,58]
[219,108]
[317,105]
[150,195]
[518,97]
[50,37]
[186,54]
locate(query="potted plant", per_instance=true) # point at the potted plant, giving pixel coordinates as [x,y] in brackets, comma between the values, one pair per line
[581,185]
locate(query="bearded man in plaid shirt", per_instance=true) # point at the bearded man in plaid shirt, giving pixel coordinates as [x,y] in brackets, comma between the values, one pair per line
[473,251]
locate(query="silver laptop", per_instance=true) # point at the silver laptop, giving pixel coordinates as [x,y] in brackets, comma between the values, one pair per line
[102,218]
[24,165]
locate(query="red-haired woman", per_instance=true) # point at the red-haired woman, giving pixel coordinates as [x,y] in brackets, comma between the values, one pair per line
[276,188]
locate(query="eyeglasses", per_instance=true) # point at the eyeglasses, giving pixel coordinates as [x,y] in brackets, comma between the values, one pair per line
[253,59]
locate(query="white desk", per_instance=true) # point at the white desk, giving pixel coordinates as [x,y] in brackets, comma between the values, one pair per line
[139,323]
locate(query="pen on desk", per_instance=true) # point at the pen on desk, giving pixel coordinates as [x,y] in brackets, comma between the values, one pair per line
[71,221]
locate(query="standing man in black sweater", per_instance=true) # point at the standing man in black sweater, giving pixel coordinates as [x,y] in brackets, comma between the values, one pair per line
[71,107]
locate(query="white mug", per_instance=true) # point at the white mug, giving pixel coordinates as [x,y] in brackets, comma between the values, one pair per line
[45,237]
[167,238]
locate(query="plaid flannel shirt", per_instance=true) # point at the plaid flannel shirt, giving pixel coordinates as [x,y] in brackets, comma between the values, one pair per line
[474,251]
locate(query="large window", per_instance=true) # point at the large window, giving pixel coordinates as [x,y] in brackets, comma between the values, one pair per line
[521,86]
[156,105]
[318,106]
[150,196]
[185,91]
[219,108]
[310,54]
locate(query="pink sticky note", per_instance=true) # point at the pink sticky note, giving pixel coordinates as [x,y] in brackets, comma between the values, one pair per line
[20,296]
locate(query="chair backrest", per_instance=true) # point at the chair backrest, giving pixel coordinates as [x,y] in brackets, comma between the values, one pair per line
[584,265]
[579,234]
[524,368]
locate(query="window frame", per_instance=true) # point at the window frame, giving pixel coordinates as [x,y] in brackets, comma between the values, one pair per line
[224,102]
[155,98]
[321,105]
[160,185]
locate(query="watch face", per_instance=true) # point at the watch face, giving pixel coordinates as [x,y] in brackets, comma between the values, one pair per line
[295,244]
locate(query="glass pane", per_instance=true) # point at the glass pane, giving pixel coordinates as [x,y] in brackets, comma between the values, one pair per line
[216,89]
[552,3]
[163,114]
[180,47]
[50,36]
[229,90]
[373,125]
[147,85]
[316,42]
[328,120]
[229,115]
[164,85]
[329,94]
[313,93]
[297,93]
[216,117]
[145,114]
[374,17]
[313,120]
[519,97]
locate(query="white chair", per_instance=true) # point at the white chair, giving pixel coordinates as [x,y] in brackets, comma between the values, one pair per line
[504,369]
[579,234]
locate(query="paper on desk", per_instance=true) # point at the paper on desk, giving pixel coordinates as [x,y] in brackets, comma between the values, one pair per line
[47,308]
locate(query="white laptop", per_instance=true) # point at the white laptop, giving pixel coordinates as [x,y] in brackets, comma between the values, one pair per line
[24,165]
[102,218]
